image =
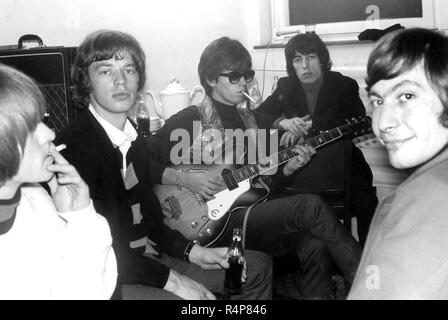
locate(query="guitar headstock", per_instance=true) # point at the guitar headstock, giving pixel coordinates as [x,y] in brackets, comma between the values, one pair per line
[357,126]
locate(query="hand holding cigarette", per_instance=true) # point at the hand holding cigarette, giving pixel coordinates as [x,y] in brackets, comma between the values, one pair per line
[67,188]
[299,126]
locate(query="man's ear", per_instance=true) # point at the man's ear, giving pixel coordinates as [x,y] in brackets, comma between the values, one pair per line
[211,83]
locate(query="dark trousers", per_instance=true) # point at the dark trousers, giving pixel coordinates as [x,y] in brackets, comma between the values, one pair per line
[305,226]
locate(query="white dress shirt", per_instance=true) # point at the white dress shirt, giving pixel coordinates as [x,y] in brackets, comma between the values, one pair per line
[120,139]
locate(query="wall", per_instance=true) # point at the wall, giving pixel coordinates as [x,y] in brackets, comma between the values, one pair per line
[173,33]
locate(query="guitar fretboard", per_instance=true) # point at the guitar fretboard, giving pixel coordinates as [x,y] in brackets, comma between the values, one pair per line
[232,178]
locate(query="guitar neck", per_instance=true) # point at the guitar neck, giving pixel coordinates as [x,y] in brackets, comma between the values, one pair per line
[287,154]
[268,163]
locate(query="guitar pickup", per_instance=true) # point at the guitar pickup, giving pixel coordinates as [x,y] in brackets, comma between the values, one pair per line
[176,209]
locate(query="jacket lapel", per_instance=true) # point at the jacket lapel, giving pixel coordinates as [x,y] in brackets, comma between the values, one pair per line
[302,106]
[107,151]
[326,93]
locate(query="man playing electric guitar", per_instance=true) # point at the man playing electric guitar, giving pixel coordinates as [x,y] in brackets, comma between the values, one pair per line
[302,225]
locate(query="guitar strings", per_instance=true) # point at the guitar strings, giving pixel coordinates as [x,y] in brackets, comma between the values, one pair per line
[315,142]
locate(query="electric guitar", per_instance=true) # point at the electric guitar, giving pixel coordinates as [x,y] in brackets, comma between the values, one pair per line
[204,221]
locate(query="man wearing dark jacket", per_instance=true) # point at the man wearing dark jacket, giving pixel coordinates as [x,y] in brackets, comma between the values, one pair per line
[103,145]
[312,99]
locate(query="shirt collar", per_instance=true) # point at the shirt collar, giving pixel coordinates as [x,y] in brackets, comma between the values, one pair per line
[8,209]
[115,135]
[314,86]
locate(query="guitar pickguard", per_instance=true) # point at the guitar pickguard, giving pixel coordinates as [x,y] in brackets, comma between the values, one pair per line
[224,200]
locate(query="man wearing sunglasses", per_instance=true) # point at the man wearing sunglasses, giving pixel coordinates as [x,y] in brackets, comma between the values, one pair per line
[301,225]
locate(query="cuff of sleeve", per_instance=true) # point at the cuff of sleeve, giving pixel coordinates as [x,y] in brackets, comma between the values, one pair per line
[275,125]
[78,214]
[187,251]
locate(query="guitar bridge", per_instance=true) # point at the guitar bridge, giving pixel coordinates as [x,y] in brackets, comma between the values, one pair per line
[200,199]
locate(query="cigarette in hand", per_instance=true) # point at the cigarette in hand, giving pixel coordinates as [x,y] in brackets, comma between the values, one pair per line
[302,123]
[60,147]
[249,97]
[307,123]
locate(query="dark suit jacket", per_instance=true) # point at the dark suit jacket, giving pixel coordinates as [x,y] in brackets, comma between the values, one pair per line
[92,153]
[338,99]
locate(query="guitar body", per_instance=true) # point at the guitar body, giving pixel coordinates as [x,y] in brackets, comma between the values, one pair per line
[200,221]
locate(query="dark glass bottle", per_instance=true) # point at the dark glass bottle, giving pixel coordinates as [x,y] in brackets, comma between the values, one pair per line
[232,282]
[142,118]
[274,84]
[255,95]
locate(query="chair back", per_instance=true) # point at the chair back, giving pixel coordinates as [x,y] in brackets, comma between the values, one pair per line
[328,175]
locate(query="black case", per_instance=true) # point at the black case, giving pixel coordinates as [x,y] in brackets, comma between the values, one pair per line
[50,67]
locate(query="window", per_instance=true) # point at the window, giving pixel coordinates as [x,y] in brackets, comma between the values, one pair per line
[372,14]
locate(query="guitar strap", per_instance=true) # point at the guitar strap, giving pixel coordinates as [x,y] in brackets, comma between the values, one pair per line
[209,115]
[249,210]
[246,217]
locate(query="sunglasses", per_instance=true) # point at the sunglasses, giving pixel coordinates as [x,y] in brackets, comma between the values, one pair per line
[235,76]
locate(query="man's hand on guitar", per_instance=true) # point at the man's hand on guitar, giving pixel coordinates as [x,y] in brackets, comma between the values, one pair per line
[297,126]
[187,288]
[289,139]
[213,258]
[304,154]
[202,183]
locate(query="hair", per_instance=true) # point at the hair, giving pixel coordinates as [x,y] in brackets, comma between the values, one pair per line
[306,43]
[221,54]
[98,46]
[22,107]
[402,50]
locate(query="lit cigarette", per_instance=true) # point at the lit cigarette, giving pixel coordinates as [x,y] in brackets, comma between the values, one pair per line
[60,147]
[249,97]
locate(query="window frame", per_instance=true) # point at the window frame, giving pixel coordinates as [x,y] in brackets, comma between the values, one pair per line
[342,31]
